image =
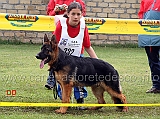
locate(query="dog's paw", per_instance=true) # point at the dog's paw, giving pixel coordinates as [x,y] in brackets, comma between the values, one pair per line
[61,111]
[58,111]
[125,109]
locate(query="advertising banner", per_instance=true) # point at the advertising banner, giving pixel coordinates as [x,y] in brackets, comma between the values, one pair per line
[95,25]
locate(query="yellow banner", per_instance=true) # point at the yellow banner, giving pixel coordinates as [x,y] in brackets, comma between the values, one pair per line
[95,25]
[23,104]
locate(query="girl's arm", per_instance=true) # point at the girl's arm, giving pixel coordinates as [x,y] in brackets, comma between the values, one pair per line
[91,52]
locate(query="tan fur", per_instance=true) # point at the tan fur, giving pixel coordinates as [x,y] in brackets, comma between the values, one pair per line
[67,83]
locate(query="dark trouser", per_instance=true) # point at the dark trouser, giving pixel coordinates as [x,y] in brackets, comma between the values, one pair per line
[154,63]
[79,93]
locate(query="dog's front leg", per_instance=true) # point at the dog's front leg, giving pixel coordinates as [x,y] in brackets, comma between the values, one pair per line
[66,94]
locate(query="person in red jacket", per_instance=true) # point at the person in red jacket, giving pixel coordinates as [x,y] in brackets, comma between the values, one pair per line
[150,10]
[146,6]
[59,7]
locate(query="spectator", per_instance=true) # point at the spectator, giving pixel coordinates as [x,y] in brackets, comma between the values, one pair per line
[150,9]
[55,7]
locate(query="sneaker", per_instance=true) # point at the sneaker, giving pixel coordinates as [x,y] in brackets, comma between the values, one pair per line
[153,90]
[50,82]
[49,87]
[81,101]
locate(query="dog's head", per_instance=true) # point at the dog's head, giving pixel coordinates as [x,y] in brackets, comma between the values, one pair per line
[49,51]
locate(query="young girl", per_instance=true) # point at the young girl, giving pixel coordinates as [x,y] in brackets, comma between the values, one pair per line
[73,37]
[57,8]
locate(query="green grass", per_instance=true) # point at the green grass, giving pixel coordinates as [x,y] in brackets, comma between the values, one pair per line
[19,70]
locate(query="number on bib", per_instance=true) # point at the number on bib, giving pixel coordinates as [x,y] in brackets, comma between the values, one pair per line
[68,51]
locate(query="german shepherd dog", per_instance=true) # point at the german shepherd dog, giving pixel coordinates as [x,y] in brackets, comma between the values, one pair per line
[70,71]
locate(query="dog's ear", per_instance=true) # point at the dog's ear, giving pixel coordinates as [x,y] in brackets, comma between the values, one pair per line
[54,42]
[45,38]
[53,39]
